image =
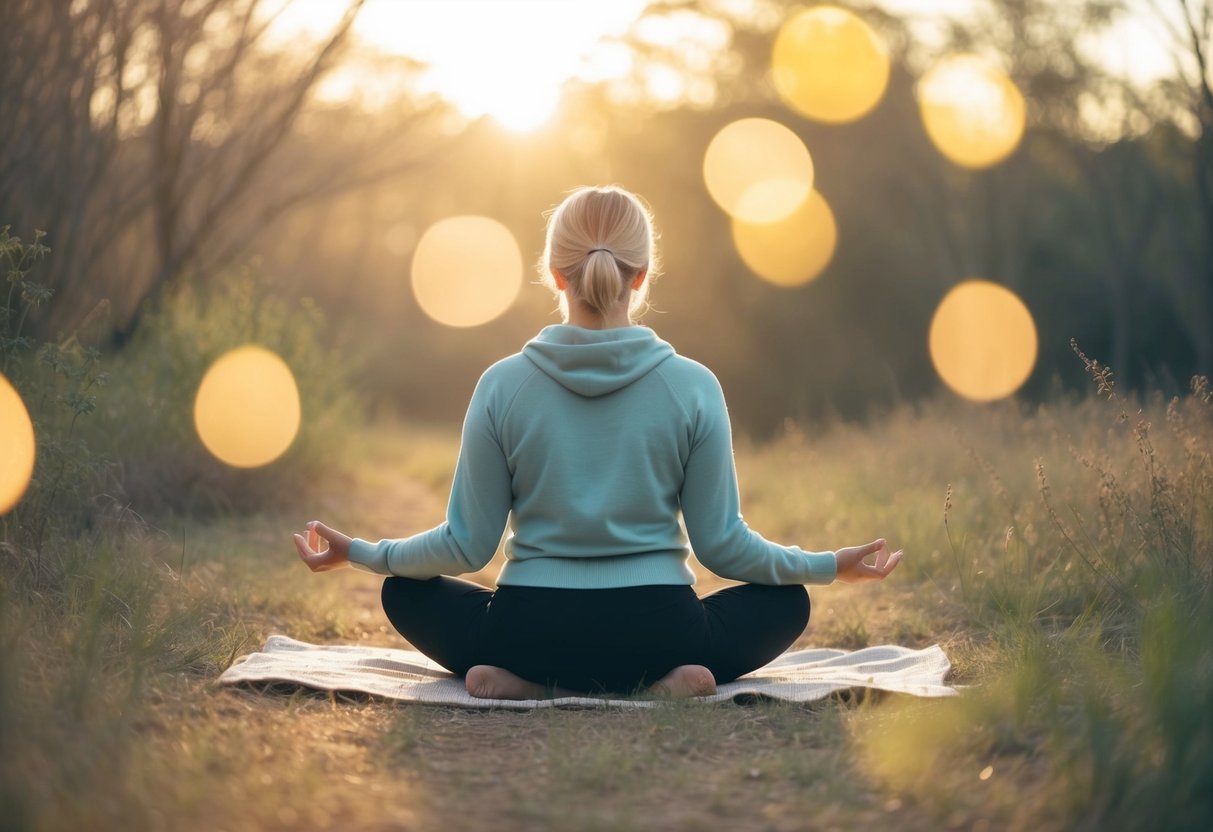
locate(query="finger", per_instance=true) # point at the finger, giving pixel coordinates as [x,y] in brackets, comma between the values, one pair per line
[880,572]
[858,553]
[309,555]
[894,559]
[327,534]
[874,546]
[312,560]
[882,557]
[302,547]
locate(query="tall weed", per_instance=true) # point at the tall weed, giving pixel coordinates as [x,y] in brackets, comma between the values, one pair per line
[78,663]
[1093,595]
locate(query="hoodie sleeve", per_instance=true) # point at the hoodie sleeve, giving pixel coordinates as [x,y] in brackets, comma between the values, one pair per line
[476,514]
[711,507]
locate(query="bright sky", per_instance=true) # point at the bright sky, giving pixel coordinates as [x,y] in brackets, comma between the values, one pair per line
[510,58]
[506,58]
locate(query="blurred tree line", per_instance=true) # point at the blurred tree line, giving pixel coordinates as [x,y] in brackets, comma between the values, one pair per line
[160,143]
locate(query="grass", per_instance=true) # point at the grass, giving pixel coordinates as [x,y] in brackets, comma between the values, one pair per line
[679,767]
[1060,554]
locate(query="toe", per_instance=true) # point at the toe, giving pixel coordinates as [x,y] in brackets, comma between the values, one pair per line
[479,682]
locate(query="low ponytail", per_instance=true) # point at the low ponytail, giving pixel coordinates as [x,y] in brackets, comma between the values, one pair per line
[599,240]
[601,285]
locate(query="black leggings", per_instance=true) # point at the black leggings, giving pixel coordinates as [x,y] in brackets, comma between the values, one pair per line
[611,640]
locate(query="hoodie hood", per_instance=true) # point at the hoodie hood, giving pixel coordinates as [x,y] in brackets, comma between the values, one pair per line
[595,362]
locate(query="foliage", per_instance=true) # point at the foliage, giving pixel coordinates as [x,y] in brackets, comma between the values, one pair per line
[1070,577]
[147,422]
[96,616]
[142,130]
[22,294]
[75,607]
[1085,706]
[1084,233]
[1096,602]
[58,382]
[1103,233]
[80,658]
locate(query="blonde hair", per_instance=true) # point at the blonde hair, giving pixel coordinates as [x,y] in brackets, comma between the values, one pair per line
[599,239]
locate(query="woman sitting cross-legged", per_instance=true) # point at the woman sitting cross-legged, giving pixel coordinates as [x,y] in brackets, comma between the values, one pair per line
[592,442]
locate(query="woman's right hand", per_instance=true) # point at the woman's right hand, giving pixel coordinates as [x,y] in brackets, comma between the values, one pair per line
[334,556]
[853,569]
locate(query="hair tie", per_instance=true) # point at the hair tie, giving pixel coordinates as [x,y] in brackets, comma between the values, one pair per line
[607,250]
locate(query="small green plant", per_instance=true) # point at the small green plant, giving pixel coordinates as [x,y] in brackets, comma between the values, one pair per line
[59,383]
[23,294]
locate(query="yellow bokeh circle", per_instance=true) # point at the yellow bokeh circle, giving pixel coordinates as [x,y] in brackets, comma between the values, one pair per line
[973,113]
[247,411]
[983,341]
[828,65]
[757,170]
[17,448]
[467,270]
[793,250]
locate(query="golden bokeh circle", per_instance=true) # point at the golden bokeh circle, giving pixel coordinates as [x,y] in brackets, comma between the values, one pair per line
[828,65]
[791,251]
[983,341]
[247,410]
[17,446]
[973,113]
[467,270]
[757,170]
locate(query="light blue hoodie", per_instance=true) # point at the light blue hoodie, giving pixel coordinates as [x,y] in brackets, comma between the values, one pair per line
[591,442]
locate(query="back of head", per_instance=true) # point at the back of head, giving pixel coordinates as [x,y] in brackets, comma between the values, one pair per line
[599,239]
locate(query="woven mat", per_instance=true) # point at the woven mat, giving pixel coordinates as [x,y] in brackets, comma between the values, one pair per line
[796,676]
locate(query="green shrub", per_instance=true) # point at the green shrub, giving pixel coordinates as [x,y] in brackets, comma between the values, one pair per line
[146,423]
[58,382]
[91,613]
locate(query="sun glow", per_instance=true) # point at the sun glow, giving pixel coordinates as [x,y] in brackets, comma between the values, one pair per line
[757,170]
[972,111]
[791,251]
[17,446]
[466,270]
[983,341]
[507,59]
[828,65]
[247,410]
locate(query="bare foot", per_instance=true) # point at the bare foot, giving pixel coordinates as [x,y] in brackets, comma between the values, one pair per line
[685,681]
[487,682]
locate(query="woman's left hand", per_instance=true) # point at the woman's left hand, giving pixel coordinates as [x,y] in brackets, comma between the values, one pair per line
[333,556]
